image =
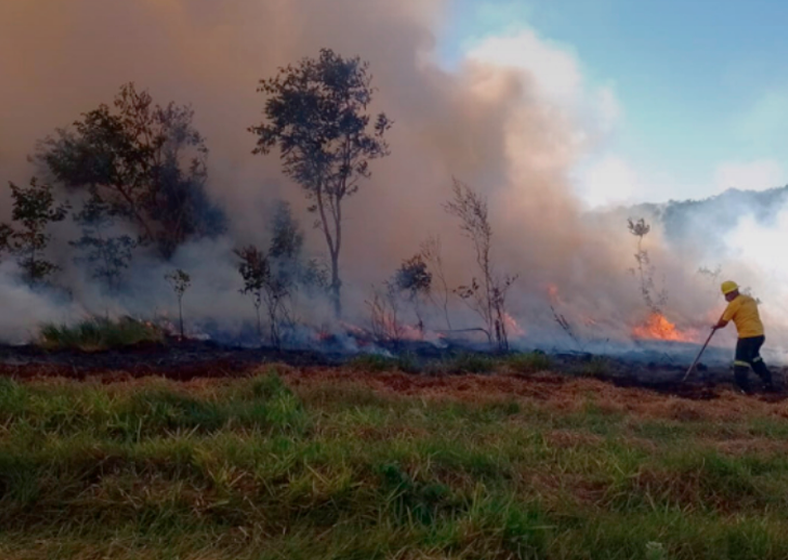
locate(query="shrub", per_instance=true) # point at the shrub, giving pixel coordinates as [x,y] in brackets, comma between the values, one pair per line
[96,334]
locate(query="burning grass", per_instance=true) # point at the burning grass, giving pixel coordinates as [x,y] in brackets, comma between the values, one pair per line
[658,327]
[337,463]
[98,333]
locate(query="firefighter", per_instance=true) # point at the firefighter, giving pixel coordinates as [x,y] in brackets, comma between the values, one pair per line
[743,311]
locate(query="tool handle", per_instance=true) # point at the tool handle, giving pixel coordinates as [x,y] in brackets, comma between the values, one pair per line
[711,334]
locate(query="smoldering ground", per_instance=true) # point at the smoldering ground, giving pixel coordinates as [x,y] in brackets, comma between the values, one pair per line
[487,125]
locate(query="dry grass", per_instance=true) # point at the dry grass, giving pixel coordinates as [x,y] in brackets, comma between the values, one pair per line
[97,334]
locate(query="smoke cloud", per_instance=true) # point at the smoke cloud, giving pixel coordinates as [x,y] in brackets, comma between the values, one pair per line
[496,124]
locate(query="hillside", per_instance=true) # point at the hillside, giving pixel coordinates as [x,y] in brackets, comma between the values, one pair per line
[708,220]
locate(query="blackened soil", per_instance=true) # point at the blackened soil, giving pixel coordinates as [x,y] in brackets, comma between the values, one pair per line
[703,382]
[186,360]
[179,360]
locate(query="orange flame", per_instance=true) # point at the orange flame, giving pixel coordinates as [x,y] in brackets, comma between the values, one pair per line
[390,329]
[659,328]
[512,328]
[552,291]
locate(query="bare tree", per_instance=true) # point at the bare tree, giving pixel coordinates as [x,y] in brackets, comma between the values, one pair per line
[431,252]
[317,115]
[654,299]
[180,282]
[487,295]
[34,209]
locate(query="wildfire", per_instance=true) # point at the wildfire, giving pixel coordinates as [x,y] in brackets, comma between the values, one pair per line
[512,328]
[659,328]
[552,291]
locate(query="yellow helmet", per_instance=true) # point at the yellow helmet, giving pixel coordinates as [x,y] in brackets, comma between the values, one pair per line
[728,287]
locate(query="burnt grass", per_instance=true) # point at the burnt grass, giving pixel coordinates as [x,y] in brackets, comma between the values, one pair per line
[184,360]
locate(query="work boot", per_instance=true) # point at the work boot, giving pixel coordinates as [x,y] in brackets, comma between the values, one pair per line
[740,374]
[766,376]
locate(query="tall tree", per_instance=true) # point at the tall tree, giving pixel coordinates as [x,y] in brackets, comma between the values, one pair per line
[34,210]
[317,116]
[141,161]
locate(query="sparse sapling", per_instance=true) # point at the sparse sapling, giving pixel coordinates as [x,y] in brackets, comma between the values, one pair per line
[487,296]
[180,282]
[654,299]
[106,255]
[431,252]
[34,209]
[415,280]
[264,286]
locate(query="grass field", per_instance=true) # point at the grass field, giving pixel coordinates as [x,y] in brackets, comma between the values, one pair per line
[331,463]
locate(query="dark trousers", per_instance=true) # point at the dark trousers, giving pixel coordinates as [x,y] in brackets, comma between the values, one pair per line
[748,355]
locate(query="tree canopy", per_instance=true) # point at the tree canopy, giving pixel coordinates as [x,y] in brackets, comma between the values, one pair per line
[141,161]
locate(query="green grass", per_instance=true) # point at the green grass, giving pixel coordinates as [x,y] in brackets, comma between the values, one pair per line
[596,366]
[373,363]
[532,362]
[98,334]
[260,469]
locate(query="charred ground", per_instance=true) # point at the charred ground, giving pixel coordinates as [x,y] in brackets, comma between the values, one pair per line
[656,369]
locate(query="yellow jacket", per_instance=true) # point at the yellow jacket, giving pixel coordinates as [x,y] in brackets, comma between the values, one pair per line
[743,311]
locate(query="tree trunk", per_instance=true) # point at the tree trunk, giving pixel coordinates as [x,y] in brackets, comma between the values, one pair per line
[446,314]
[336,286]
[259,323]
[180,314]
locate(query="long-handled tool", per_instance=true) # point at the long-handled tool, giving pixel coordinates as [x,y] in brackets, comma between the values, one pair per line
[686,375]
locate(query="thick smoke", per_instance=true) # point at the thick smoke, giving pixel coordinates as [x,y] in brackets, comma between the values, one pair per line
[486,125]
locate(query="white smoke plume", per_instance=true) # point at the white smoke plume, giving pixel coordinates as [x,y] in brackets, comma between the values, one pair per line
[500,125]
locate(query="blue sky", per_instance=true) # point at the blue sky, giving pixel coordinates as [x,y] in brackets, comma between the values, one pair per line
[702,85]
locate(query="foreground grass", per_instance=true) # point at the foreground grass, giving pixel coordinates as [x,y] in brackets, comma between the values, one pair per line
[97,333]
[258,469]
